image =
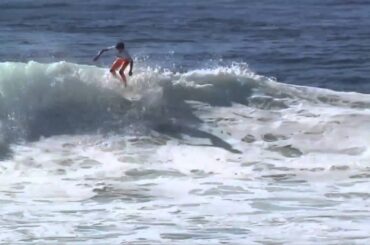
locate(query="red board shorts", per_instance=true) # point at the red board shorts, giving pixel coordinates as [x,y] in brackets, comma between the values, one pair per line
[120,63]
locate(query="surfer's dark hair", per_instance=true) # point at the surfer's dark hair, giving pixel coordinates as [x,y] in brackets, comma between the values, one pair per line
[120,45]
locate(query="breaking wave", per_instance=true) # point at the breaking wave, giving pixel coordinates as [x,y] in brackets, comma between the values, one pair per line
[64,98]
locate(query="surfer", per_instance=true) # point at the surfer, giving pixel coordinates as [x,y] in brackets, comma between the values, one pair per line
[123,58]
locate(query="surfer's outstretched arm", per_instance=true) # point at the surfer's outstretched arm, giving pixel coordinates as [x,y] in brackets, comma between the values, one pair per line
[100,53]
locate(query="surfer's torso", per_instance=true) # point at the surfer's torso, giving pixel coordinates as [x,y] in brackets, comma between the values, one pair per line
[123,54]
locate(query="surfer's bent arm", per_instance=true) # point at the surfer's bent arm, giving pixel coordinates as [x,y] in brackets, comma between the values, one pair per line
[131,67]
[126,56]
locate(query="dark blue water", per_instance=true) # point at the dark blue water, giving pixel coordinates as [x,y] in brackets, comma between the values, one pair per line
[307,42]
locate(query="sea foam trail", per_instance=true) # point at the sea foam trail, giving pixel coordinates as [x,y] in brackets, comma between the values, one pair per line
[65,98]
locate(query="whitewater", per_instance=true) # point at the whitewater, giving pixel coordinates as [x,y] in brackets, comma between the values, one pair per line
[219,155]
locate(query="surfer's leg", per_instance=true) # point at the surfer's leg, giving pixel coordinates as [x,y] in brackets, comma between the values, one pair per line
[123,77]
[115,66]
[114,73]
[122,72]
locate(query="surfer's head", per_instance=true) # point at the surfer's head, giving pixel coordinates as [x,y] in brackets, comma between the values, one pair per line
[120,45]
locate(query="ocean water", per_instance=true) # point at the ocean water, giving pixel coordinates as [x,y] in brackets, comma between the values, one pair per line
[245,122]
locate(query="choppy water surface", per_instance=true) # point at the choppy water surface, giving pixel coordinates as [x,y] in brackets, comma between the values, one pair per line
[203,147]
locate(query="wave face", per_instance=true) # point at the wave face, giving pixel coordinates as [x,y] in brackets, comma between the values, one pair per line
[46,99]
[65,98]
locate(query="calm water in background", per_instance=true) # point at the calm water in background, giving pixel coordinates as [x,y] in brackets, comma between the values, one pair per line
[316,43]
